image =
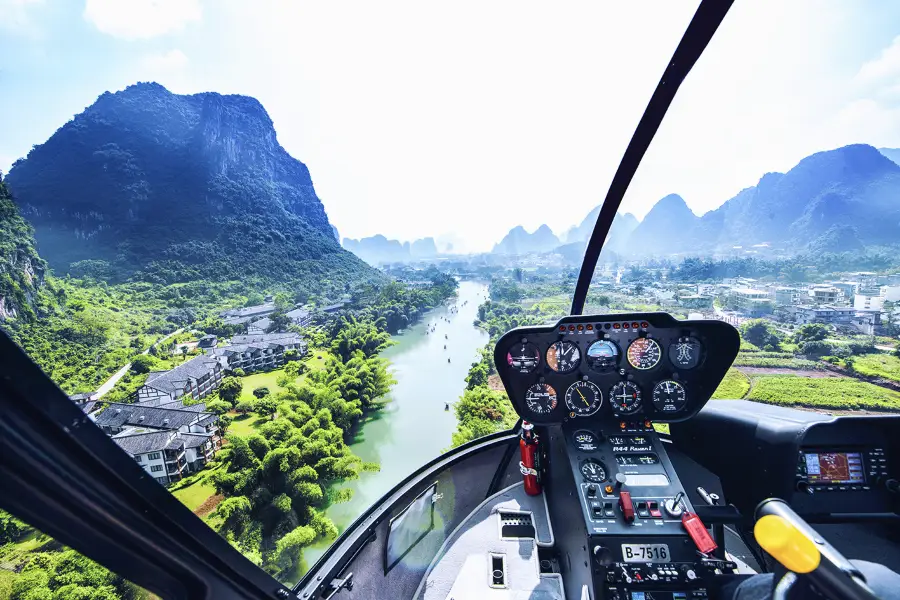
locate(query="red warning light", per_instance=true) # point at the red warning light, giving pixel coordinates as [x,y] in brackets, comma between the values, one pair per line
[571,328]
[616,326]
[635,325]
[581,328]
[590,327]
[624,325]
[645,324]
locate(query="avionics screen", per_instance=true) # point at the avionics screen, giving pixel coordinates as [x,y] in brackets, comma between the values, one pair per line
[834,467]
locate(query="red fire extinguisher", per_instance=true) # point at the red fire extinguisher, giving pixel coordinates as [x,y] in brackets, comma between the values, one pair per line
[530,465]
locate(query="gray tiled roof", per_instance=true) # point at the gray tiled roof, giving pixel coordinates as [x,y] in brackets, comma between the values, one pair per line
[297,314]
[263,323]
[267,338]
[142,443]
[250,311]
[118,415]
[194,440]
[175,379]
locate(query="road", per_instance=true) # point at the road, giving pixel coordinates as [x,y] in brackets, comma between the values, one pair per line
[112,381]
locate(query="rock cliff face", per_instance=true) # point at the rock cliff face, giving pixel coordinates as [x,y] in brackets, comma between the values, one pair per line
[169,187]
[21,269]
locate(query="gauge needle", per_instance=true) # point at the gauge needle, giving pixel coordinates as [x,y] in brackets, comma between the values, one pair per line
[586,403]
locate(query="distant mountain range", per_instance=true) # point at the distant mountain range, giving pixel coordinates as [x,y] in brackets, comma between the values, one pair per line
[834,201]
[378,250]
[158,186]
[519,241]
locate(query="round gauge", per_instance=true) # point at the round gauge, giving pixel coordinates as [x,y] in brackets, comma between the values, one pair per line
[593,471]
[625,398]
[523,357]
[585,441]
[563,356]
[644,353]
[669,396]
[685,353]
[540,398]
[584,398]
[603,355]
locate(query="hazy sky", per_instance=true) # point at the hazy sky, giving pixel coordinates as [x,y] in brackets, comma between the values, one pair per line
[468,118]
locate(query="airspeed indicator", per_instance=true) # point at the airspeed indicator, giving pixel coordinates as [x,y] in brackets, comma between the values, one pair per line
[644,353]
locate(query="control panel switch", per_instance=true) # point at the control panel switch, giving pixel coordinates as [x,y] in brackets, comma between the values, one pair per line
[653,507]
[626,506]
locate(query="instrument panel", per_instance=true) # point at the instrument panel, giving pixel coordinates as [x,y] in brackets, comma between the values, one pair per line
[645,365]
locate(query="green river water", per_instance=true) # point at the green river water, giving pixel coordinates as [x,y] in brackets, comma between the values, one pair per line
[414,427]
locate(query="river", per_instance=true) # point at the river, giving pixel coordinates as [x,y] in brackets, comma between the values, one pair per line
[414,427]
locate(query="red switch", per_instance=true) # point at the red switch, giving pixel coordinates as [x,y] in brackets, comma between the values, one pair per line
[626,506]
[654,510]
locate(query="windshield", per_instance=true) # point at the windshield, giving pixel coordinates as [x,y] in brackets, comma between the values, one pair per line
[271,256]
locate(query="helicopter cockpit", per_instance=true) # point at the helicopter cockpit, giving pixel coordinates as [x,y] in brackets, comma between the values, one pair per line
[621,480]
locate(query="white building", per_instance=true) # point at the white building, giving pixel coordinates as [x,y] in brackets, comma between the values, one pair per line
[196,378]
[167,455]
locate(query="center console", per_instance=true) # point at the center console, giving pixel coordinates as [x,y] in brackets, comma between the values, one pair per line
[632,502]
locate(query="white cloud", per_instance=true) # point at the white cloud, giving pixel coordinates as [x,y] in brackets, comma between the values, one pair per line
[141,19]
[173,60]
[883,68]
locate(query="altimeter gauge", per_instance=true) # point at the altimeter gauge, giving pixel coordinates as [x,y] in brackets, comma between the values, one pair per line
[584,398]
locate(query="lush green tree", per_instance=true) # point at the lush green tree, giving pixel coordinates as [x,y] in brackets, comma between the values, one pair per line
[359,335]
[218,407]
[245,406]
[143,363]
[291,355]
[481,411]
[261,391]
[224,423]
[279,322]
[239,372]
[254,299]
[230,389]
[760,332]
[266,406]
[11,528]
[811,332]
[504,290]
[283,301]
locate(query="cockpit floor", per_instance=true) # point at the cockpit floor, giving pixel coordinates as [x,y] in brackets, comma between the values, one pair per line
[493,553]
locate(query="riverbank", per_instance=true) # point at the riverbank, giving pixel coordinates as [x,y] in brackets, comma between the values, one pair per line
[414,426]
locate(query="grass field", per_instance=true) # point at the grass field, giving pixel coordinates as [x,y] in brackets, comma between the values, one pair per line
[268,380]
[244,425]
[885,366]
[733,387]
[315,362]
[196,492]
[840,393]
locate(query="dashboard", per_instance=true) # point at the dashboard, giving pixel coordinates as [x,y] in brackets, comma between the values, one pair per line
[829,469]
[594,367]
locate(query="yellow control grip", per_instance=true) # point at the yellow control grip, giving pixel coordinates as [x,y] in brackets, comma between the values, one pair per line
[787,544]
